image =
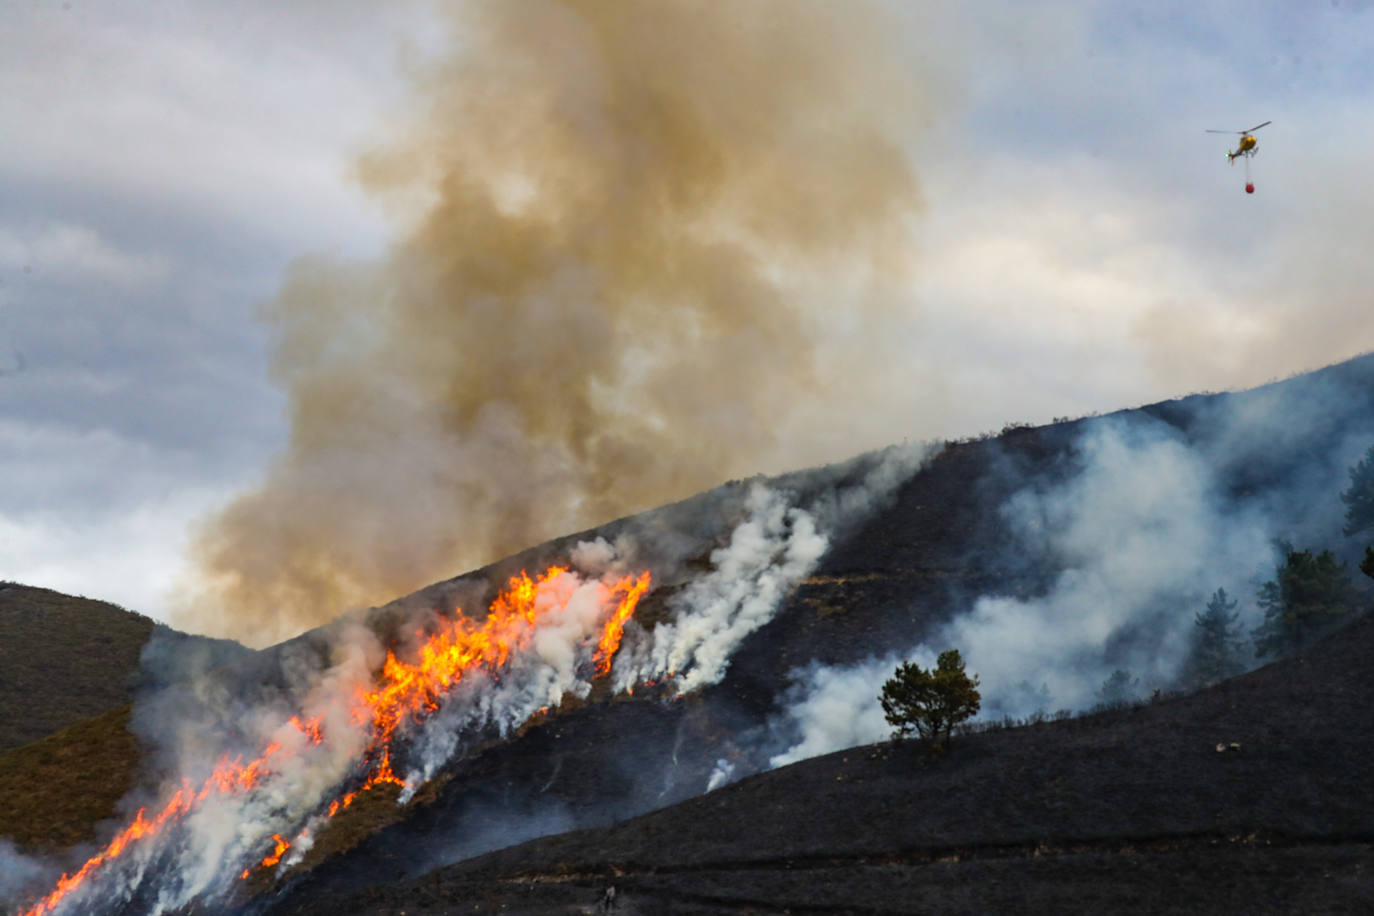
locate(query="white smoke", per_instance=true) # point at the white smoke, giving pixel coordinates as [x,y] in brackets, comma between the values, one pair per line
[17,871]
[769,553]
[721,774]
[1143,535]
[832,708]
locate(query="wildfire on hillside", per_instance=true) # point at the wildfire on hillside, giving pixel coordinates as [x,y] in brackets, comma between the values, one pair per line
[405,693]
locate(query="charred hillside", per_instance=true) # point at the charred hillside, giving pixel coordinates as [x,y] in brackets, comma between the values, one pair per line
[1253,793]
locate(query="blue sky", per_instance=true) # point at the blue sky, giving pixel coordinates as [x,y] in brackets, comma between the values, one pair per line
[1083,245]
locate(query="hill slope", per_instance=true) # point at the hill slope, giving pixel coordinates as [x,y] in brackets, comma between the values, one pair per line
[1130,811]
[70,669]
[1271,462]
[62,659]
[997,530]
[65,659]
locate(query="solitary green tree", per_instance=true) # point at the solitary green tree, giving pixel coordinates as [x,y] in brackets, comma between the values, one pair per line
[1308,594]
[1216,641]
[932,702]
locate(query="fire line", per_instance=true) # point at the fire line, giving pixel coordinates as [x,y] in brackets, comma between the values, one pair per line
[405,692]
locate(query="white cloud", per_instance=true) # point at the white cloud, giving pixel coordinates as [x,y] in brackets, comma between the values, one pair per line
[125,555]
[67,248]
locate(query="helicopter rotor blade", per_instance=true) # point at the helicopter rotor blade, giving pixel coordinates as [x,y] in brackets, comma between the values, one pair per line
[1241,132]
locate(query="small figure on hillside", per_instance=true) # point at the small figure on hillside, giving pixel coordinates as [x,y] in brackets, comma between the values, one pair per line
[608,900]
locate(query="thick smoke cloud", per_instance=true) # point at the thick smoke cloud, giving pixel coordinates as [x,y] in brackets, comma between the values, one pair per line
[628,231]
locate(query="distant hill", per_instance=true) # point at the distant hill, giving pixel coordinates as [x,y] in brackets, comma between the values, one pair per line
[62,659]
[55,791]
[70,668]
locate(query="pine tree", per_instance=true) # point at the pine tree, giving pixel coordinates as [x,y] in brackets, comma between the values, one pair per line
[1359,506]
[1308,595]
[1359,499]
[1216,641]
[932,702]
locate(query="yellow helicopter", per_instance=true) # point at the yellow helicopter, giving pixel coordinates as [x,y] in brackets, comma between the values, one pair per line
[1248,146]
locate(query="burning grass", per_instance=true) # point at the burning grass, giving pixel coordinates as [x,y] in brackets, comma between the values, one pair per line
[382,718]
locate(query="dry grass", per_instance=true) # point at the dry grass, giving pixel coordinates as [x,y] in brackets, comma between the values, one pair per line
[55,791]
[63,659]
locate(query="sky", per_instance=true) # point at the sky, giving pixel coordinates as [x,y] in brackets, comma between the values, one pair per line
[196,197]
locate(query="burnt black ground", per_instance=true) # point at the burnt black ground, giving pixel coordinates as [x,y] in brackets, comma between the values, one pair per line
[1128,811]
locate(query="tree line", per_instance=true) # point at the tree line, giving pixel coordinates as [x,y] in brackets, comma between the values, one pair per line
[1311,593]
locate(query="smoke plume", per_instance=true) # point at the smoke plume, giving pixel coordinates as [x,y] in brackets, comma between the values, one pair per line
[780,538]
[1144,530]
[628,231]
[773,549]
[17,870]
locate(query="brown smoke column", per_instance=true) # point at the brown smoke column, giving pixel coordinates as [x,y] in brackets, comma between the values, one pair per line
[628,223]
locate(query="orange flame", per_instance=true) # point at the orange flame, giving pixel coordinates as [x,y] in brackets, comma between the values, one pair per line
[405,691]
[615,627]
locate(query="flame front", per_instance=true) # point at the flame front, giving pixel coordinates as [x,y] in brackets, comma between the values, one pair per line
[405,692]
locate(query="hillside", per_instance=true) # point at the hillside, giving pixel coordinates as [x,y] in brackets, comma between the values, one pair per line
[1063,552]
[70,670]
[65,659]
[891,582]
[1128,811]
[62,659]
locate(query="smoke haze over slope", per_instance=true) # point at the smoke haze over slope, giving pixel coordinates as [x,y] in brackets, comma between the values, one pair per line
[628,231]
[1154,515]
